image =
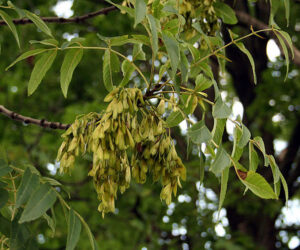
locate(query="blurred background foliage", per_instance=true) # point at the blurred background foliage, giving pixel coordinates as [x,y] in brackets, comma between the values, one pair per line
[141,221]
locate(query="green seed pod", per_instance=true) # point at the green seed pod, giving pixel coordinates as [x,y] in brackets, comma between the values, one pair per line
[127,175]
[119,107]
[166,194]
[73,144]
[154,148]
[61,150]
[131,141]
[111,95]
[161,107]
[106,125]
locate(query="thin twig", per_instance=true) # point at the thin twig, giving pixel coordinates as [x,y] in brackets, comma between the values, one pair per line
[29,120]
[76,19]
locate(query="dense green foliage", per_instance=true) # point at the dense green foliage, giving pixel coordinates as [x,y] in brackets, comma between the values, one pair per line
[124,89]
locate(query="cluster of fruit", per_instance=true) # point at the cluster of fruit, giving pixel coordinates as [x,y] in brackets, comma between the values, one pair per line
[202,12]
[129,139]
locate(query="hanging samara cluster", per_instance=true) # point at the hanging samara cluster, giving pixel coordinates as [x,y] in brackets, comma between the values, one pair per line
[127,140]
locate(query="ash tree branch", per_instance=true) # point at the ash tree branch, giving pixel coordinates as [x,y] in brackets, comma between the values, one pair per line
[47,124]
[248,20]
[76,19]
[29,120]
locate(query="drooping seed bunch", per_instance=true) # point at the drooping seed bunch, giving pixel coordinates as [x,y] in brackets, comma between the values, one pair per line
[127,140]
[201,12]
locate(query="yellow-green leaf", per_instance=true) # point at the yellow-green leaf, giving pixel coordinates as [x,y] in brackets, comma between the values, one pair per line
[173,51]
[199,133]
[11,25]
[139,11]
[242,48]
[74,229]
[127,70]
[220,109]
[221,162]
[285,52]
[225,12]
[40,69]
[174,119]
[224,182]
[71,60]
[154,36]
[111,64]
[26,55]
[38,22]
[258,185]
[39,202]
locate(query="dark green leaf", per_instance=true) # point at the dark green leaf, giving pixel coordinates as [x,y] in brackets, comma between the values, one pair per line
[4,168]
[91,237]
[287,11]
[2,184]
[184,67]
[74,229]
[28,185]
[49,42]
[26,55]
[51,181]
[259,143]
[5,226]
[202,166]
[11,25]
[139,11]
[242,47]
[286,53]
[288,39]
[111,64]
[20,12]
[204,66]
[38,22]
[50,223]
[142,39]
[221,162]
[202,83]
[172,50]
[3,197]
[40,69]
[220,109]
[273,10]
[225,12]
[19,234]
[224,181]
[174,119]
[118,40]
[39,202]
[237,151]
[285,187]
[246,135]
[71,60]
[218,130]
[75,40]
[199,133]
[154,35]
